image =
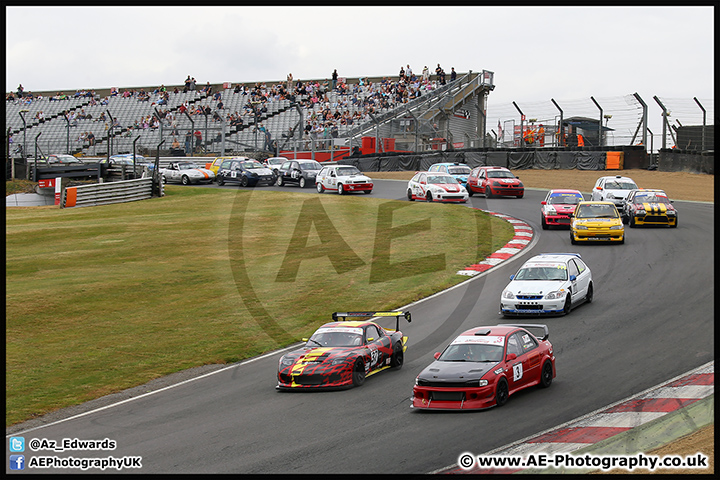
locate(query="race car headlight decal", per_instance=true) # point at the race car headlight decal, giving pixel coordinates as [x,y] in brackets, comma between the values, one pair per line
[285,362]
[616,227]
[581,227]
[640,211]
[554,295]
[551,211]
[338,361]
[508,294]
[671,212]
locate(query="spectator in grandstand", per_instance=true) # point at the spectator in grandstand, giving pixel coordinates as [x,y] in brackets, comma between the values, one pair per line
[334,79]
[20,91]
[188,141]
[408,72]
[441,74]
[402,73]
[90,138]
[453,75]
[425,74]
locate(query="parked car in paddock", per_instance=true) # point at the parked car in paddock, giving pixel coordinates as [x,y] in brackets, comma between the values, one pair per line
[596,221]
[215,164]
[646,206]
[186,173]
[557,206]
[613,189]
[58,159]
[342,179]
[458,170]
[548,284]
[342,353]
[246,173]
[483,366]
[436,187]
[493,181]
[274,163]
[298,172]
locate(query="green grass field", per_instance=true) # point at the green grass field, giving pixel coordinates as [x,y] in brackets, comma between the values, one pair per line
[100,299]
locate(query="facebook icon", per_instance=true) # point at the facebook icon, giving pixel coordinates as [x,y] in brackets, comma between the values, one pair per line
[17,462]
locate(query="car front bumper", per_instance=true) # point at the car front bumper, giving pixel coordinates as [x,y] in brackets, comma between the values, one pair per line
[453,398]
[598,235]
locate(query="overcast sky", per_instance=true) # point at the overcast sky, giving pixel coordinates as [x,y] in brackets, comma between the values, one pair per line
[536,53]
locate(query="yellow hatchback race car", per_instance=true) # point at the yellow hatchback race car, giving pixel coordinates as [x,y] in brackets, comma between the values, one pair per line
[596,221]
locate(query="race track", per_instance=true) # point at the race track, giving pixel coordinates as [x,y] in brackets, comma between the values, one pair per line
[651,320]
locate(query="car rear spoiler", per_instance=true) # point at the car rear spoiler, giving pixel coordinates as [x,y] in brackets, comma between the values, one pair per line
[343,316]
[530,326]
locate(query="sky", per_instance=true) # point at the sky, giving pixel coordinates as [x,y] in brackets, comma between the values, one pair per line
[535,53]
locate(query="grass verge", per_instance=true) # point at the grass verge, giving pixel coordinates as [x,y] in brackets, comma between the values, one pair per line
[105,298]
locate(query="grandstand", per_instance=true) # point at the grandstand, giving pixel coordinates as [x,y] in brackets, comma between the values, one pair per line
[305,115]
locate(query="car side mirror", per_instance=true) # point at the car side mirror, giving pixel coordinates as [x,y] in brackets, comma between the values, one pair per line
[543,202]
[573,278]
[512,276]
[422,183]
[371,339]
[437,355]
[510,356]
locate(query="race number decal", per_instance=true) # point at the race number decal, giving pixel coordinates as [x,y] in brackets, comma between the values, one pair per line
[517,372]
[374,354]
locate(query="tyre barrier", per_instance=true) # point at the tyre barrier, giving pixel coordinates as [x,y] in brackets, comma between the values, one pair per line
[108,193]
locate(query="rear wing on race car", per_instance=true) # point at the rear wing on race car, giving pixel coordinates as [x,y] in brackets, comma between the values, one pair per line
[530,326]
[342,316]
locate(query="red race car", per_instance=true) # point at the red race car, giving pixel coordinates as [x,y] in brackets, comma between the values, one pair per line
[557,207]
[494,181]
[483,366]
[342,353]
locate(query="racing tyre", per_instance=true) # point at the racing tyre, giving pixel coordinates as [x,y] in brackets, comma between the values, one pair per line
[358,374]
[367,192]
[185,180]
[398,357]
[428,197]
[220,181]
[590,293]
[341,190]
[568,305]
[301,182]
[279,181]
[488,192]
[674,225]
[632,222]
[320,188]
[244,181]
[501,393]
[521,195]
[410,197]
[572,238]
[543,223]
[470,192]
[546,375]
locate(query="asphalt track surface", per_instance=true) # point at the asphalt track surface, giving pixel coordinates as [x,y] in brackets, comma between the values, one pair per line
[651,320]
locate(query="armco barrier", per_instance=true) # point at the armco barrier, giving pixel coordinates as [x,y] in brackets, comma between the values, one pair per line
[108,193]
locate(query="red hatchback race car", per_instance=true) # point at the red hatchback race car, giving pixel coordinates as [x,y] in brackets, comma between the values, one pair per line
[494,181]
[483,366]
[341,354]
[558,206]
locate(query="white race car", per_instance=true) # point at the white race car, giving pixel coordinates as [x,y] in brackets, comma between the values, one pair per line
[548,284]
[342,179]
[436,187]
[186,173]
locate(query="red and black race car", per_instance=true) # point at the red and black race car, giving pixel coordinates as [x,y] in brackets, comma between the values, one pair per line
[342,353]
[483,366]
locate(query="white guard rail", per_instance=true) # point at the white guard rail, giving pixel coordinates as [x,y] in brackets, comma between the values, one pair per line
[108,193]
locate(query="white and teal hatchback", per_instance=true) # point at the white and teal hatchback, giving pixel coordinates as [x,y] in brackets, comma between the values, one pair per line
[548,284]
